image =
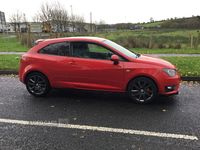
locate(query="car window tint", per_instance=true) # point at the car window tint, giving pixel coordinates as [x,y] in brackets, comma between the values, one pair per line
[102,51]
[91,50]
[61,49]
[80,49]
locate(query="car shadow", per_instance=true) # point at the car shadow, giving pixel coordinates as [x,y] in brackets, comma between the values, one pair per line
[89,96]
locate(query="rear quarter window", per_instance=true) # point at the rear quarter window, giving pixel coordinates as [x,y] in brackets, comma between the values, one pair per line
[60,49]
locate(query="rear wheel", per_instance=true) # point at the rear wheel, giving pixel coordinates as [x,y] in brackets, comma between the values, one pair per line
[142,90]
[37,84]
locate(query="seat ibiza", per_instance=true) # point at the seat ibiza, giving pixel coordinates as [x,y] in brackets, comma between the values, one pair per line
[92,63]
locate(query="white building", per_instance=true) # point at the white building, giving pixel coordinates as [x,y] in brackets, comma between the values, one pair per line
[9,28]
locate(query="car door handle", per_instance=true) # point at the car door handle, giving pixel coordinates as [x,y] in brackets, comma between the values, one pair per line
[72,63]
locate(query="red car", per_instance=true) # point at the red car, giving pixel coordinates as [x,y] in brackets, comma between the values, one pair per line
[92,63]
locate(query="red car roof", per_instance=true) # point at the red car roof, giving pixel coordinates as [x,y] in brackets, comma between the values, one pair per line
[94,39]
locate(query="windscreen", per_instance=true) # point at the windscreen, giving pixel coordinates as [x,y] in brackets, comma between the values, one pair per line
[120,48]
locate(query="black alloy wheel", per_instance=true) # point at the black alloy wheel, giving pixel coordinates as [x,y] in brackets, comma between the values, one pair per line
[37,84]
[142,90]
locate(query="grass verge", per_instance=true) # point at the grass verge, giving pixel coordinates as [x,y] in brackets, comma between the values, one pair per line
[12,46]
[187,66]
[165,51]
[10,62]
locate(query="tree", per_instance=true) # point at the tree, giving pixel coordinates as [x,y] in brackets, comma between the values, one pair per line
[36,18]
[65,19]
[174,25]
[15,20]
[80,21]
[101,25]
[166,24]
[45,14]
[102,22]
[151,19]
[59,16]
[25,21]
[193,23]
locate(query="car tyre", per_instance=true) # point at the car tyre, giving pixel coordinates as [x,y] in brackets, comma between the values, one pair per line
[142,90]
[37,84]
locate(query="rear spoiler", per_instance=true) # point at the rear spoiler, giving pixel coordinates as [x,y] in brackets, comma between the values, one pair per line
[37,41]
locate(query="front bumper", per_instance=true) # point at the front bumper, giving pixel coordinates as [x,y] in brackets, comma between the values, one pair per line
[172,82]
[167,95]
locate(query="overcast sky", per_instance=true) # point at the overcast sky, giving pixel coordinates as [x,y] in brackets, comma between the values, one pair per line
[111,11]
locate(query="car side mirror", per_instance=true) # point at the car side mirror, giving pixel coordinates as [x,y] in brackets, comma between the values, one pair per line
[115,58]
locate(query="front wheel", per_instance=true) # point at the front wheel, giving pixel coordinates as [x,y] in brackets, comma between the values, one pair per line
[37,84]
[142,90]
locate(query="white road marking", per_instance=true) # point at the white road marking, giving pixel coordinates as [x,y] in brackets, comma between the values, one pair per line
[104,129]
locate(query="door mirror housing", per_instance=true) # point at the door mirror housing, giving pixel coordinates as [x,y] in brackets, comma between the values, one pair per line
[115,58]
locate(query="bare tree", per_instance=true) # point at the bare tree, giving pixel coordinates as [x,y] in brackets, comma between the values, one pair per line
[65,19]
[59,16]
[101,25]
[45,14]
[80,21]
[72,20]
[25,21]
[36,18]
[102,22]
[15,20]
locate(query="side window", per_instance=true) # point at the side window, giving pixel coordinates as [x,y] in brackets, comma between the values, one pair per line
[91,50]
[79,49]
[99,52]
[97,48]
[61,49]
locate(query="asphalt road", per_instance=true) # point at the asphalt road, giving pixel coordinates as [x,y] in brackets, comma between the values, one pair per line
[29,123]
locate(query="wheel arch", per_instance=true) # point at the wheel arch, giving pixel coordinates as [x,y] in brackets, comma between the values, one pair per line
[35,71]
[145,77]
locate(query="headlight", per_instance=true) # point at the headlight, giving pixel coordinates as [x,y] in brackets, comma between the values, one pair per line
[170,72]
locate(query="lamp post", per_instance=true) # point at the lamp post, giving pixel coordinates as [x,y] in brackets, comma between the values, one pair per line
[72,18]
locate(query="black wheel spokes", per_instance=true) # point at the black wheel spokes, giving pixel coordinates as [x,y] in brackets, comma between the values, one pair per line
[142,91]
[37,84]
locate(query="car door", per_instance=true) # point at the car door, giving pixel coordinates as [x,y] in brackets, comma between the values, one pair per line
[54,58]
[90,68]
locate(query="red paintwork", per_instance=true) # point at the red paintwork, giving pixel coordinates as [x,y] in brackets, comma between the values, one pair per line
[95,74]
[114,58]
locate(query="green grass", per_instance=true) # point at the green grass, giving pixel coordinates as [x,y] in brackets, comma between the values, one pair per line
[169,38]
[12,46]
[165,51]
[165,36]
[1,34]
[153,24]
[187,66]
[9,62]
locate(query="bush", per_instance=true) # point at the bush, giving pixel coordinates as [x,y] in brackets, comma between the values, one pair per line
[131,42]
[160,45]
[177,45]
[170,44]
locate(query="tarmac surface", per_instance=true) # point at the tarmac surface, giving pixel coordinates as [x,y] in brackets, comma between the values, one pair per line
[89,119]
